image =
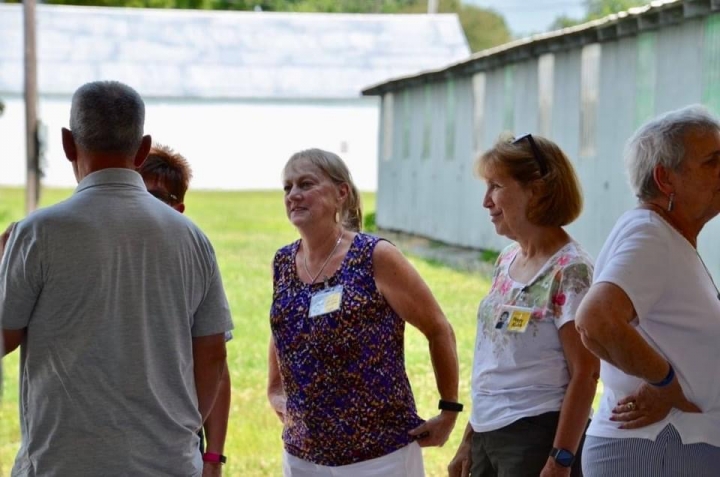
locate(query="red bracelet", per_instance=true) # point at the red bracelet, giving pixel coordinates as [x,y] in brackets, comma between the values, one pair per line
[212,457]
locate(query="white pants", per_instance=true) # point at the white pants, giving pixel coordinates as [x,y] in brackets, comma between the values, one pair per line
[405,462]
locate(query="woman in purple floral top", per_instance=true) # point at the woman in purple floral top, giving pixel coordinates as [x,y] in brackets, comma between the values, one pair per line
[533,381]
[341,299]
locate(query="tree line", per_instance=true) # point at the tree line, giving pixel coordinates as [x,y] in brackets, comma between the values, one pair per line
[483,27]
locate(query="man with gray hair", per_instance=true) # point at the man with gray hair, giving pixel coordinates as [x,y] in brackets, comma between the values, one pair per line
[117,305]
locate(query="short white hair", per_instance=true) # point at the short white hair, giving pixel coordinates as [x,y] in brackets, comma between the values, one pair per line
[107,116]
[661,141]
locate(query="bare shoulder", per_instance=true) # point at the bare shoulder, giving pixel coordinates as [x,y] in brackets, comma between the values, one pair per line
[386,254]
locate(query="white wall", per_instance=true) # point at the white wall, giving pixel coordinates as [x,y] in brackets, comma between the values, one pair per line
[230,145]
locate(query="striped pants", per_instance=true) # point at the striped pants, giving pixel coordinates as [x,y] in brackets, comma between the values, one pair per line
[666,456]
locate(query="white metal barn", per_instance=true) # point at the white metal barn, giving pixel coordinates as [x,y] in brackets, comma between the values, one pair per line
[235,92]
[587,88]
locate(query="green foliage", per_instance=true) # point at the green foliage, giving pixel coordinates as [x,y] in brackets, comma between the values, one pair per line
[489,256]
[563,21]
[484,28]
[325,6]
[369,224]
[195,4]
[602,8]
[596,9]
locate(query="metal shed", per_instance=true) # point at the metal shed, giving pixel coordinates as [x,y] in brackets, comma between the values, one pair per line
[587,88]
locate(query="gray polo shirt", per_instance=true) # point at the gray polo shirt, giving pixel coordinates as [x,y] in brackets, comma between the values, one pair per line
[112,285]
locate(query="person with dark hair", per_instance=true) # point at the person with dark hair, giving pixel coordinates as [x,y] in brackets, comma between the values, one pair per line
[653,312]
[167,175]
[117,304]
[533,382]
[341,299]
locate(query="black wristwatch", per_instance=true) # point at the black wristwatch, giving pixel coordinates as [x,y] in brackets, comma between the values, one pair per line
[444,405]
[563,457]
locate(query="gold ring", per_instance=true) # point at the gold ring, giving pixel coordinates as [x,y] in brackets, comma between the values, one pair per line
[631,406]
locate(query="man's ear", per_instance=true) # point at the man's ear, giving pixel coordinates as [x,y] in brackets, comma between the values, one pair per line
[143,151]
[68,142]
[179,207]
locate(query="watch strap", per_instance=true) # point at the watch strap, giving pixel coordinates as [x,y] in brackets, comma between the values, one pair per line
[213,457]
[667,379]
[444,405]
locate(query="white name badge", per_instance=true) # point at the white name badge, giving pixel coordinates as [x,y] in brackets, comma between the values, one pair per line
[513,318]
[326,301]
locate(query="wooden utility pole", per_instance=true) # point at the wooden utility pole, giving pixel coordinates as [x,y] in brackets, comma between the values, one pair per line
[32,184]
[432,6]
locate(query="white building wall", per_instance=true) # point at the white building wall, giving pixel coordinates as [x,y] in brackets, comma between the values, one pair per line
[230,145]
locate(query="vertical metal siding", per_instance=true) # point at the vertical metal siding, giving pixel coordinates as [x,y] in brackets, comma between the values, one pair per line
[526,104]
[679,65]
[711,67]
[433,195]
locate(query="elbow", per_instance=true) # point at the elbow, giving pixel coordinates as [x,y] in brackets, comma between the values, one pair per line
[589,324]
[442,332]
[592,333]
[589,373]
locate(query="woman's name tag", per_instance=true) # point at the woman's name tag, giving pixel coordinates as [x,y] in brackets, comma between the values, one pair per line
[326,300]
[513,318]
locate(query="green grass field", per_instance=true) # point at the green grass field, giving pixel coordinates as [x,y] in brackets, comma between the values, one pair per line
[246,229]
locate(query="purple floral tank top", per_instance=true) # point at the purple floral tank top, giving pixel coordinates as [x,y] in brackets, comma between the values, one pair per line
[348,396]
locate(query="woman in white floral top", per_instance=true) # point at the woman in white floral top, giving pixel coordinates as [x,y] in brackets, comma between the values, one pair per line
[533,381]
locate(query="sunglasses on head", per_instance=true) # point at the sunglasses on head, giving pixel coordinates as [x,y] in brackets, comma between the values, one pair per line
[539,158]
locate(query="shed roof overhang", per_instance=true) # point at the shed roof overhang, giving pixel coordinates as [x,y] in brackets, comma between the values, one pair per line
[655,15]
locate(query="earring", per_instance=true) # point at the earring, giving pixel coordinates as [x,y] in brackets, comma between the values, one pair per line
[337,216]
[671,201]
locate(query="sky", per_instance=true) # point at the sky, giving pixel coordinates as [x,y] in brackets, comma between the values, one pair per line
[525,17]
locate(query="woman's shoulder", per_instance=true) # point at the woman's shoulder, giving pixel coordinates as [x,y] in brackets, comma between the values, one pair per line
[641,226]
[639,220]
[574,254]
[507,254]
[288,250]
[367,238]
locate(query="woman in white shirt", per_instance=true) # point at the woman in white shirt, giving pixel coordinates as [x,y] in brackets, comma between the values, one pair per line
[533,381]
[653,312]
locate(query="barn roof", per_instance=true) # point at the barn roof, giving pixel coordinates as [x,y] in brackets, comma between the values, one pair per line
[657,14]
[225,54]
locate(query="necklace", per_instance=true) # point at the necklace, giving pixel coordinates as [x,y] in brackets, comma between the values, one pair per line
[327,259]
[708,274]
[671,224]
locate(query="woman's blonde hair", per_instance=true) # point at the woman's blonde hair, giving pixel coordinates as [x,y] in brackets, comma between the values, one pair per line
[337,171]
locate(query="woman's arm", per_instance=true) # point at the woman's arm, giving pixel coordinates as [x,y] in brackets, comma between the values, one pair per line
[462,462]
[603,320]
[275,390]
[407,294]
[584,370]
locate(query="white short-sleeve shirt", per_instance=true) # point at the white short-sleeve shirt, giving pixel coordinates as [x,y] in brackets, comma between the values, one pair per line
[678,314]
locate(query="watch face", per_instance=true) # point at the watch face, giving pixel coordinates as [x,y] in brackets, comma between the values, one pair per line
[564,457]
